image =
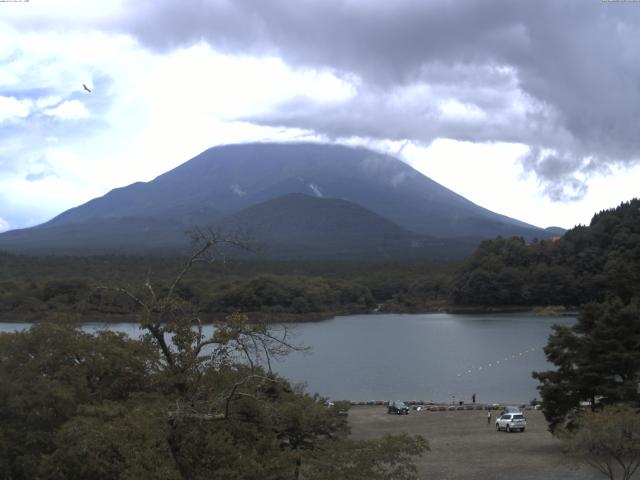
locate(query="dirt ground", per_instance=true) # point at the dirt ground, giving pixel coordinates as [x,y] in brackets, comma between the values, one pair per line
[464,446]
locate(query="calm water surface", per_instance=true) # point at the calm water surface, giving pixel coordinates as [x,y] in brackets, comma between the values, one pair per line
[439,357]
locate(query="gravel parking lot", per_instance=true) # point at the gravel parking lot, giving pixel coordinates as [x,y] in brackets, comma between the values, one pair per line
[464,446]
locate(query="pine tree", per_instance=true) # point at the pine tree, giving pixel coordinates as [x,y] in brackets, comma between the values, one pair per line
[597,360]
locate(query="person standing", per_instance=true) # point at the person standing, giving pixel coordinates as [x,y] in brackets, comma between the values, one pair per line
[489,417]
[473,398]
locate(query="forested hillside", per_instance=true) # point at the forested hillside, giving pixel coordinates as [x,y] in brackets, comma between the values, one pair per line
[33,288]
[587,264]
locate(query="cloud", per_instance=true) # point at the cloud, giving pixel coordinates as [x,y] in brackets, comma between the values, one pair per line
[557,80]
[69,110]
[12,108]
[4,225]
[558,76]
[562,176]
[491,109]
[50,101]
[41,175]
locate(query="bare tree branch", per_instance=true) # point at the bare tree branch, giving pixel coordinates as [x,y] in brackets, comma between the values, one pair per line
[235,387]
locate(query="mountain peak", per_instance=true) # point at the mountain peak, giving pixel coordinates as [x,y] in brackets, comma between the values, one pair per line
[224,181]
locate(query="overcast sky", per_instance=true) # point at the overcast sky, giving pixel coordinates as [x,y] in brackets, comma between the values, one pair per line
[528,108]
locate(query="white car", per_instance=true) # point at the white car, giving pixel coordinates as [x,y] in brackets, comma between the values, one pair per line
[511,421]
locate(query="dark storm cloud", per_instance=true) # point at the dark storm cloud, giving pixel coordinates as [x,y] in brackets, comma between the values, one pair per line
[561,77]
[419,112]
[381,41]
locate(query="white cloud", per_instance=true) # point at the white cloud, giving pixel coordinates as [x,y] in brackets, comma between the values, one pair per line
[70,110]
[202,81]
[492,176]
[454,109]
[4,225]
[63,13]
[11,107]
[42,199]
[49,101]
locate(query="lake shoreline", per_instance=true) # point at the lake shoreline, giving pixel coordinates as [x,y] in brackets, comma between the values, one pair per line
[432,357]
[254,317]
[287,317]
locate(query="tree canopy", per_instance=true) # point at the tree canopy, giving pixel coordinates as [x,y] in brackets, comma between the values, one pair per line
[597,360]
[587,264]
[36,288]
[174,404]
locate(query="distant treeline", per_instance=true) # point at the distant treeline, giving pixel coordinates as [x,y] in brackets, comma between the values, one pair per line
[39,287]
[589,263]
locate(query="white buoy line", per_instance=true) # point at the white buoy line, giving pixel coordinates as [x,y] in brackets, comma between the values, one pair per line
[496,363]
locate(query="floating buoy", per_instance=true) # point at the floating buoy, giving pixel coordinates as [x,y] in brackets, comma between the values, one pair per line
[496,363]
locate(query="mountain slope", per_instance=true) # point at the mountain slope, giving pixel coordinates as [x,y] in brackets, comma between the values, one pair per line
[122,235]
[298,225]
[287,227]
[303,199]
[229,178]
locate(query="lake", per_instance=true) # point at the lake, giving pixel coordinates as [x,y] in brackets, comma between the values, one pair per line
[435,356]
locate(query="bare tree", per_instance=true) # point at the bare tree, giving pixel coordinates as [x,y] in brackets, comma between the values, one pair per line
[175,327]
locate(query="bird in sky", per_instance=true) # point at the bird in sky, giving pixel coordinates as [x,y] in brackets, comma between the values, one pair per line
[86,88]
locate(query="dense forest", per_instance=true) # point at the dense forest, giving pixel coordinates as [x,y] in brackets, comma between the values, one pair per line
[49,286]
[587,264]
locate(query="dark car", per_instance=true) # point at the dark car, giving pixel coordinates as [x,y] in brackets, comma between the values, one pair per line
[398,407]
